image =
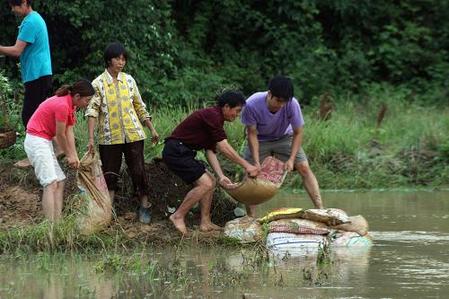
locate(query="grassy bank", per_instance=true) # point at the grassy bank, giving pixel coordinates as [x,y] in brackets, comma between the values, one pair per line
[351,150]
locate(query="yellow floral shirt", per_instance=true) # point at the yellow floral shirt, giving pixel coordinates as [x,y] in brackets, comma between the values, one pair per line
[119,109]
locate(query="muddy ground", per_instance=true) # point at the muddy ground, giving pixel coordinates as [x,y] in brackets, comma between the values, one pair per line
[20,201]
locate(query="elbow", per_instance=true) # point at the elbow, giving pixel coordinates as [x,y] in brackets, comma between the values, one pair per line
[16,53]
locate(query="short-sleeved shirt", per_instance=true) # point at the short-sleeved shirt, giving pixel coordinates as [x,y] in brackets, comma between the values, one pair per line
[35,60]
[271,126]
[119,109]
[43,121]
[202,129]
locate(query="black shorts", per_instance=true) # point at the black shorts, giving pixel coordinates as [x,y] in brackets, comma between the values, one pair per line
[36,92]
[181,160]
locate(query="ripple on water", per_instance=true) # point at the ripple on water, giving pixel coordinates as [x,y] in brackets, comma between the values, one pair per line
[411,236]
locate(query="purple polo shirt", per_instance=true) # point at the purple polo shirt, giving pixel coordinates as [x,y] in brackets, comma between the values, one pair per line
[202,129]
[271,126]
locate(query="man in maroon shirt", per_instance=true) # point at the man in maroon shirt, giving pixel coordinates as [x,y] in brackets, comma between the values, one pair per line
[203,130]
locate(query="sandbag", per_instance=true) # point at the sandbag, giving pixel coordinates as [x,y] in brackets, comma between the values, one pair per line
[329,216]
[253,191]
[294,242]
[350,239]
[244,229]
[96,206]
[357,224]
[281,213]
[298,226]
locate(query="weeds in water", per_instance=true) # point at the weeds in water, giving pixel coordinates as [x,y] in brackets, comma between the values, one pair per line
[320,273]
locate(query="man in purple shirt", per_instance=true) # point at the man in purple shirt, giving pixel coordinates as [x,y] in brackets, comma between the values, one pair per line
[274,126]
[203,130]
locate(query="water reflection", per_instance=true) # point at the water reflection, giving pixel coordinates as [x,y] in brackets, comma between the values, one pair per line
[409,258]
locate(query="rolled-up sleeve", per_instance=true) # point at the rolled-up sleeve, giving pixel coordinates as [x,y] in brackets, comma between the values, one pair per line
[139,105]
[93,108]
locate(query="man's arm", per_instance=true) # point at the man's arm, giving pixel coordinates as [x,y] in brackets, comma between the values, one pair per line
[14,51]
[224,147]
[296,144]
[253,143]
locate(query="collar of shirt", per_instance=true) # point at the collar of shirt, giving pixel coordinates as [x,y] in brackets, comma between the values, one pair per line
[109,78]
[69,100]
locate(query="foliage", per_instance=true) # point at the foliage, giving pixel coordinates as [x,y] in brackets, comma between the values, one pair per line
[7,119]
[183,51]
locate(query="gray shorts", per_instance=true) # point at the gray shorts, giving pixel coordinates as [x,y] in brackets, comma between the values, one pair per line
[279,148]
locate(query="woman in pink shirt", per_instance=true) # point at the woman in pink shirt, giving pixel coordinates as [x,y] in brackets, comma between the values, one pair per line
[55,118]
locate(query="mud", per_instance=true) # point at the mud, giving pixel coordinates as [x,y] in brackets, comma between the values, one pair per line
[20,201]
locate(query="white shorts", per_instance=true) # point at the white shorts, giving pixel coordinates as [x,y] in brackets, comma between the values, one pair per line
[42,156]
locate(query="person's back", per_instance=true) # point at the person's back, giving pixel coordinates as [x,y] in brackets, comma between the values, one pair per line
[35,60]
[43,121]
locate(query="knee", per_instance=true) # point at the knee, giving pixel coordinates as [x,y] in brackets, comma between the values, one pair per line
[53,186]
[304,169]
[210,182]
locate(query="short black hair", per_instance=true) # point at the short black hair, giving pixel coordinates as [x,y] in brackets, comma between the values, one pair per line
[232,98]
[18,2]
[281,87]
[114,50]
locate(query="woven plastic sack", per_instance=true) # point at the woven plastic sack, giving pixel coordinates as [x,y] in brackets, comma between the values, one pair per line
[298,226]
[357,224]
[253,191]
[350,239]
[244,229]
[329,216]
[281,213]
[293,243]
[94,195]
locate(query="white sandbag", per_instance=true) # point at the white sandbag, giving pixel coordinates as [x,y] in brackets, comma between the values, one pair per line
[244,229]
[298,226]
[282,243]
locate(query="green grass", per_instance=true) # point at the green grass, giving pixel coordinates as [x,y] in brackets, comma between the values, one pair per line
[410,148]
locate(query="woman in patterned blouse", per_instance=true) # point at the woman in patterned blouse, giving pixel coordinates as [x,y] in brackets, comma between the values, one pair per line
[120,113]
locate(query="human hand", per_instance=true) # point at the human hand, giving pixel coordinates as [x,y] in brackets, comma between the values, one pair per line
[154,137]
[288,165]
[226,183]
[73,161]
[91,146]
[252,170]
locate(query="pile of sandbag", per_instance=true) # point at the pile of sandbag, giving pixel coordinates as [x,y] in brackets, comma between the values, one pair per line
[297,229]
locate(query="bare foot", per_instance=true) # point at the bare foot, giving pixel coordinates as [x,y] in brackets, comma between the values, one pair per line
[207,227]
[179,224]
[25,163]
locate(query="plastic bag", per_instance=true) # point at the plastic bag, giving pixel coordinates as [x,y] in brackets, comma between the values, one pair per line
[281,213]
[253,191]
[94,194]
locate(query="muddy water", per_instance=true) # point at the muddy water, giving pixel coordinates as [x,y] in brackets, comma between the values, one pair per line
[410,258]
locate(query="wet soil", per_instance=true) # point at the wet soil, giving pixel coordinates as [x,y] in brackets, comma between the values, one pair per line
[20,202]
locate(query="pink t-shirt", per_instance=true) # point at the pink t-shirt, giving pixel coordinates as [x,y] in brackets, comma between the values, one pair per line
[43,121]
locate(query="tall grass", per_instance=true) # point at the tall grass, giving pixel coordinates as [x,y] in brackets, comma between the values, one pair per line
[409,148]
